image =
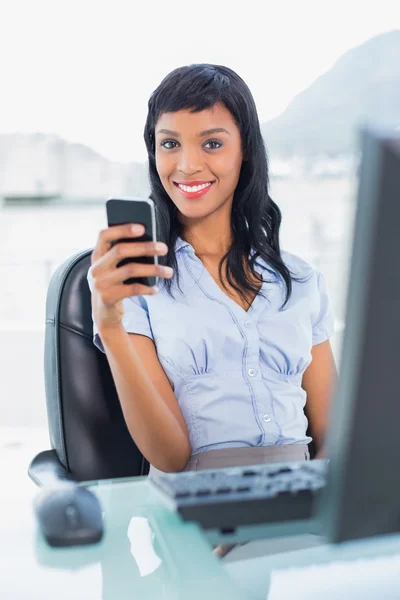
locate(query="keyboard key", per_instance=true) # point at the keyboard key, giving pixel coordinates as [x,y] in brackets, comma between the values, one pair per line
[182,494]
[203,492]
[223,490]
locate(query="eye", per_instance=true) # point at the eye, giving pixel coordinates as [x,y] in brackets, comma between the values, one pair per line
[215,144]
[172,144]
[165,142]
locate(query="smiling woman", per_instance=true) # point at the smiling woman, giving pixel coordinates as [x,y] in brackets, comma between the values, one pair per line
[209,370]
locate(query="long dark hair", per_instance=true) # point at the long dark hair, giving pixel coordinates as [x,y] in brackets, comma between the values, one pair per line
[255,218]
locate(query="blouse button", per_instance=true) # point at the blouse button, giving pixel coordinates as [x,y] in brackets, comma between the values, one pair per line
[252,372]
[247,323]
[267,418]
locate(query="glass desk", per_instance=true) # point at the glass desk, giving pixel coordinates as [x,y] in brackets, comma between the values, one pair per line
[148,553]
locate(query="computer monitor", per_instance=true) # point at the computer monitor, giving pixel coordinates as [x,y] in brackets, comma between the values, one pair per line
[362,496]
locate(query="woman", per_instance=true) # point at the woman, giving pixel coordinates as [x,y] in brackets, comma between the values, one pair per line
[214,368]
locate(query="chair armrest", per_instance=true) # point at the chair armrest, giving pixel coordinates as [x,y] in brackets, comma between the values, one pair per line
[46,470]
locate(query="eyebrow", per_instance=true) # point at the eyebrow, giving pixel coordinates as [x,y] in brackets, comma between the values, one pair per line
[201,134]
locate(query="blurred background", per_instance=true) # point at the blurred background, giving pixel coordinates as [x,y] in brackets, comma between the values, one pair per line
[75,81]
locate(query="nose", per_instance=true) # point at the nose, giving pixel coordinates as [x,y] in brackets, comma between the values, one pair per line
[189,161]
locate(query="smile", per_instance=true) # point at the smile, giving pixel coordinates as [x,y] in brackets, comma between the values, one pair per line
[194,191]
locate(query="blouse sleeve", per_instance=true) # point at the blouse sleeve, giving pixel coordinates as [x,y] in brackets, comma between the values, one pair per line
[323,323]
[135,319]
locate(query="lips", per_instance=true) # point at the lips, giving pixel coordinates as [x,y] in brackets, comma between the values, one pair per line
[193,183]
[184,188]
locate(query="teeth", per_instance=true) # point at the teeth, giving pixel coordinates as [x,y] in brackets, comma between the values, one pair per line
[194,188]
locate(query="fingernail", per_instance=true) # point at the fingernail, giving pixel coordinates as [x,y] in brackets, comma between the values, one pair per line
[155,289]
[137,229]
[160,246]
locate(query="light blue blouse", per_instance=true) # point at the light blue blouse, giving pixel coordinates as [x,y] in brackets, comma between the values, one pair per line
[236,374]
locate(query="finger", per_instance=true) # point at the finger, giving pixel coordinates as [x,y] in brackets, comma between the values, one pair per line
[114,277]
[120,292]
[113,257]
[129,250]
[134,250]
[112,234]
[144,270]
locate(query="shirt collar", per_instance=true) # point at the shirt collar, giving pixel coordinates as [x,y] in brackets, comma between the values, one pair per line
[180,244]
[263,264]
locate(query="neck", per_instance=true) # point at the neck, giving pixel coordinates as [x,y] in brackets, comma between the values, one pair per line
[207,240]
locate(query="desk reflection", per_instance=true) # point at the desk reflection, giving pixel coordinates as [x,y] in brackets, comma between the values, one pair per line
[146,552]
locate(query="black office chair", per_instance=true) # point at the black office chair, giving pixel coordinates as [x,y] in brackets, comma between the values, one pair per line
[88,434]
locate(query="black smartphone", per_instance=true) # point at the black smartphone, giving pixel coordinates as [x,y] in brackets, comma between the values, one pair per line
[134,210]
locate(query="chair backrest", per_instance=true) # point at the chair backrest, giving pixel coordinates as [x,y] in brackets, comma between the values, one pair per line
[86,425]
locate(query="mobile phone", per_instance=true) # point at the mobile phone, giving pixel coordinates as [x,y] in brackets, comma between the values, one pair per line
[134,210]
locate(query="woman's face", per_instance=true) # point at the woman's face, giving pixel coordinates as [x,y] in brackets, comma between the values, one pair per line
[198,159]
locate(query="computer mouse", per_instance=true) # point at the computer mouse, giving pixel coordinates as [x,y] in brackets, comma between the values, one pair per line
[69,515]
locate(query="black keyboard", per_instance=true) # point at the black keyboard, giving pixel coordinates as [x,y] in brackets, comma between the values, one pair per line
[228,498]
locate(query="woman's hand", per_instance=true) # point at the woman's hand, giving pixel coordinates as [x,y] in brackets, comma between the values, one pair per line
[108,288]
